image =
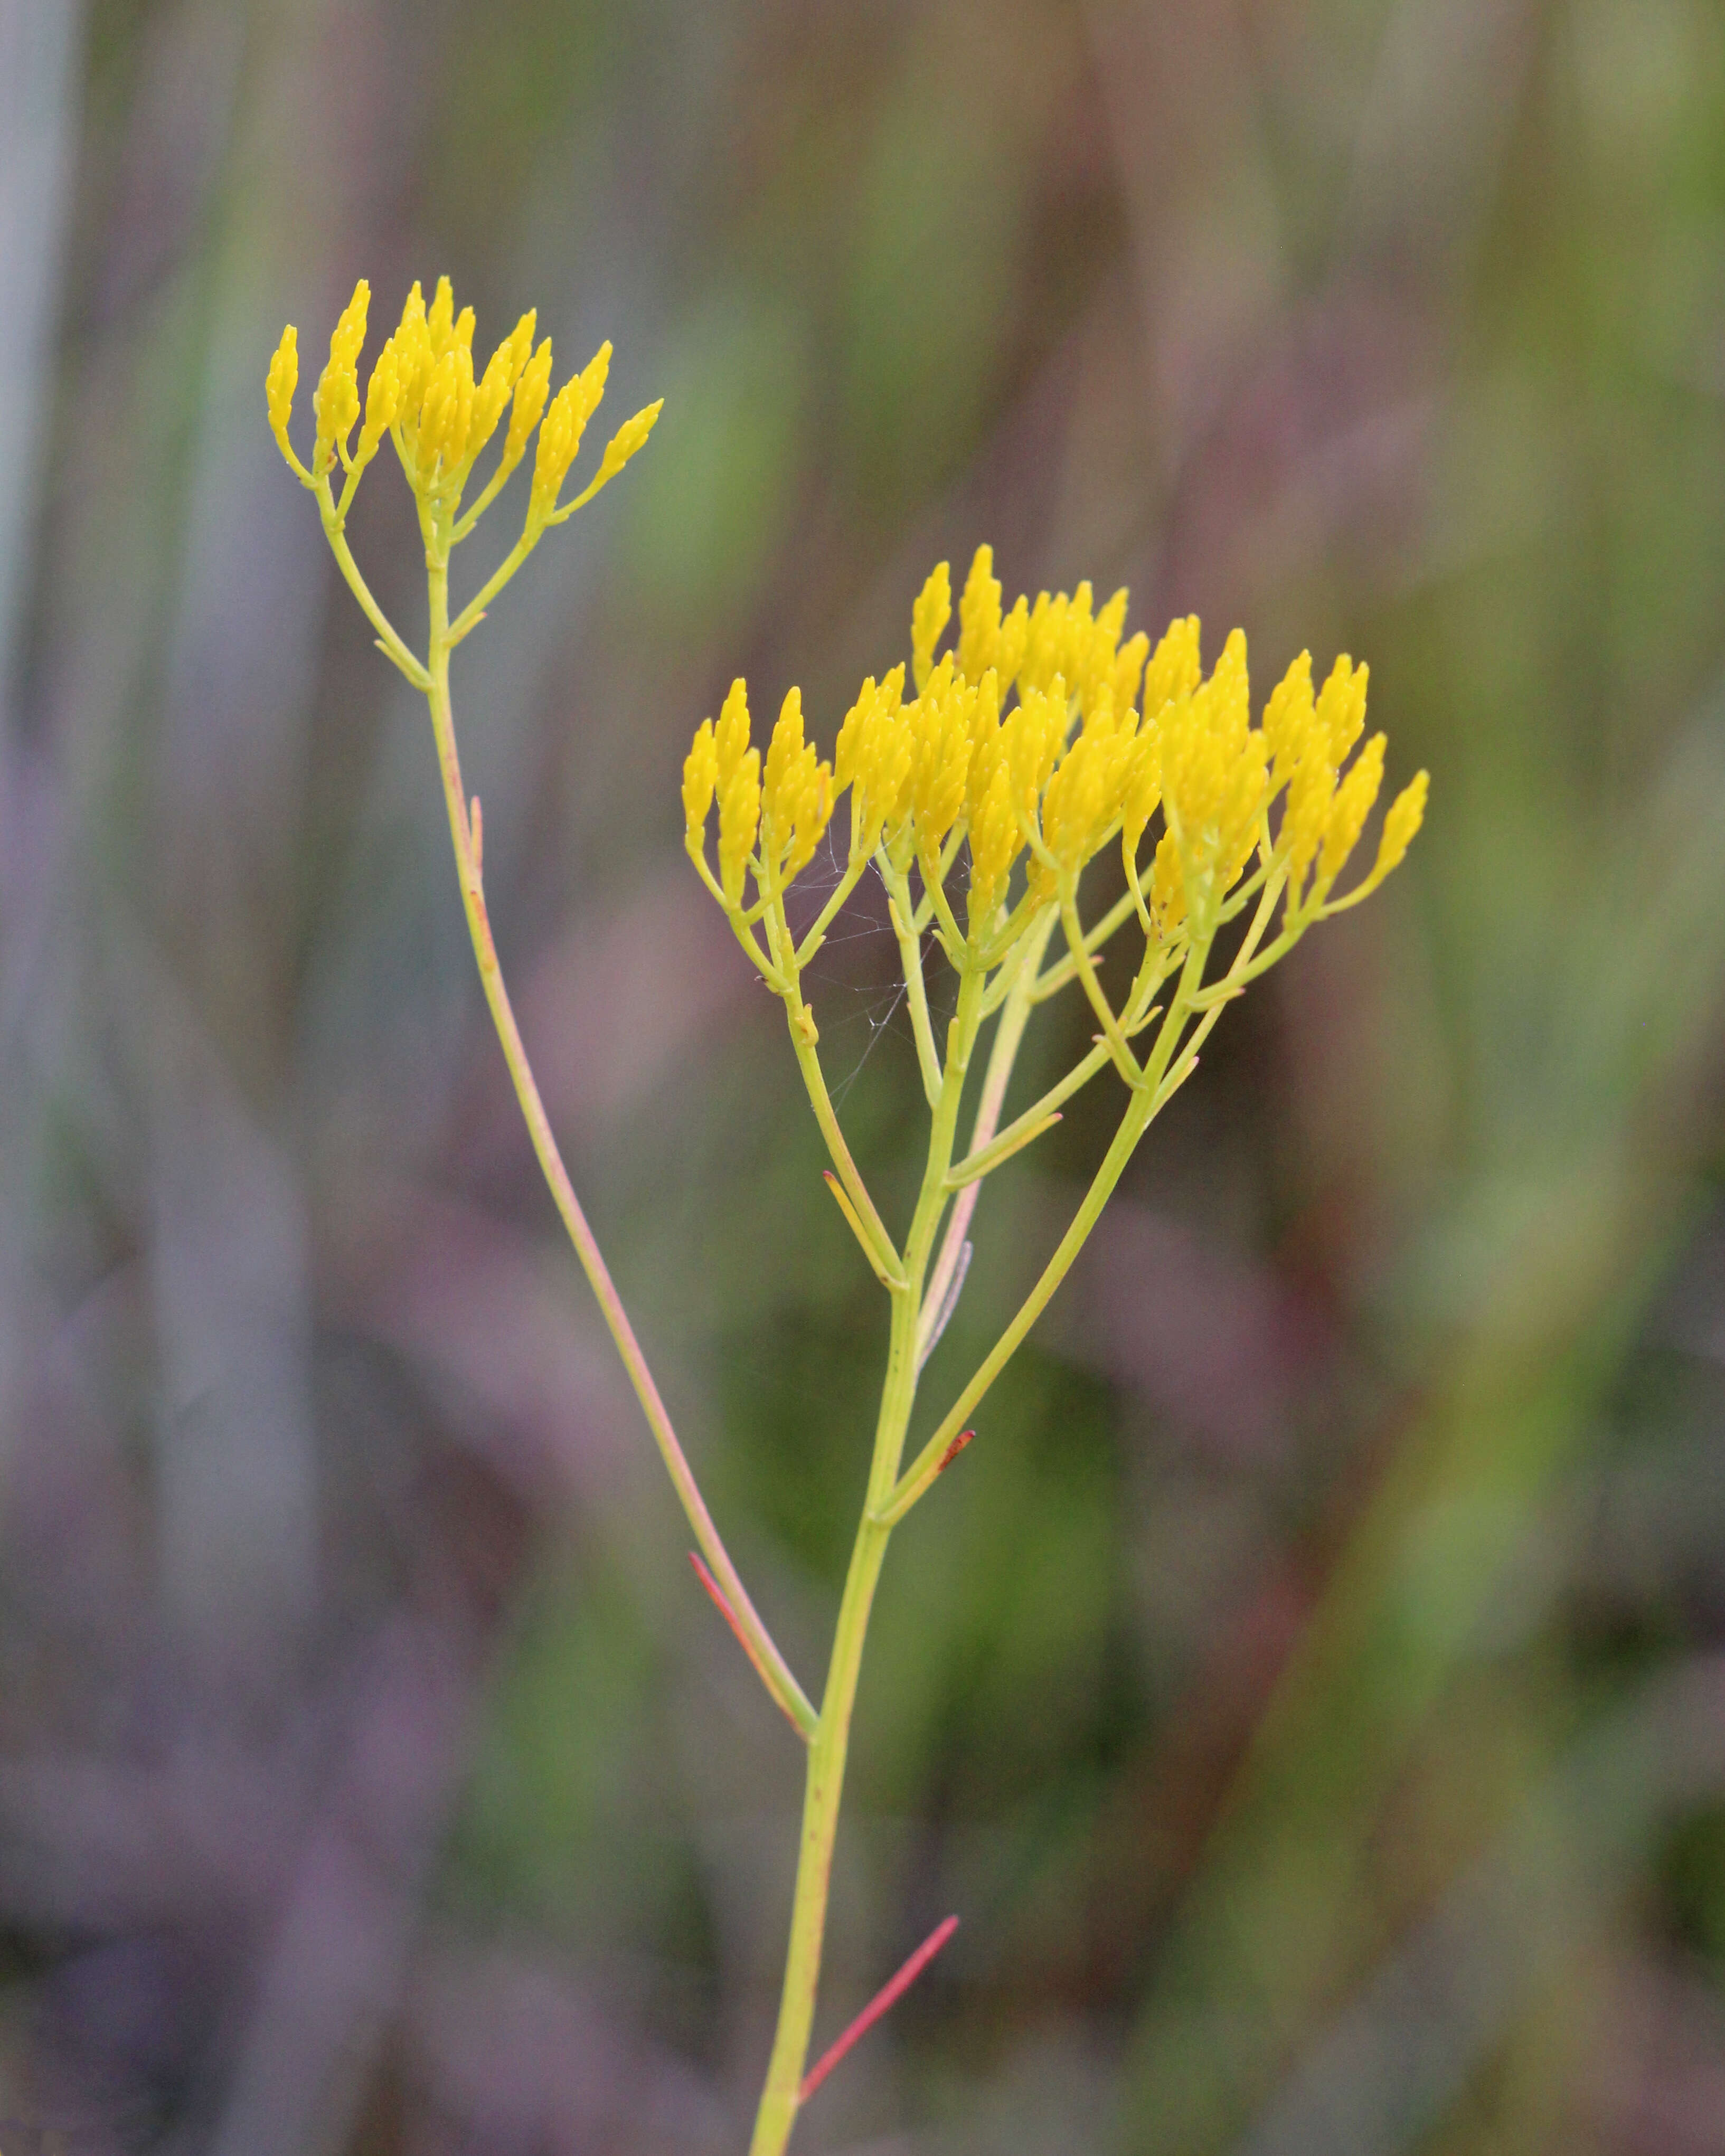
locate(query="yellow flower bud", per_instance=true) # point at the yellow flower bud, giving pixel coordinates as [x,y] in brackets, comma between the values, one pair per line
[1290,717]
[503,370]
[979,617]
[531,392]
[447,412]
[1407,813]
[1094,647]
[1212,777]
[814,813]
[1349,810]
[940,723]
[701,775]
[1128,674]
[279,384]
[1110,622]
[1010,646]
[781,782]
[1307,814]
[1342,708]
[1175,668]
[413,362]
[383,398]
[739,819]
[870,702]
[440,319]
[884,762]
[731,737]
[1045,641]
[929,618]
[986,746]
[412,323]
[1034,733]
[996,841]
[629,438]
[1077,806]
[335,400]
[560,430]
[1141,789]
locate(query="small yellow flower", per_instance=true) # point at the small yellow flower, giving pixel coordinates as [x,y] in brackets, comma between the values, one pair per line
[1348,811]
[979,617]
[739,819]
[279,386]
[700,777]
[560,430]
[929,618]
[335,400]
[1407,813]
[996,841]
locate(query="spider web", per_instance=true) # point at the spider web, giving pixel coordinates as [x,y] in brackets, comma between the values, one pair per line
[877,1006]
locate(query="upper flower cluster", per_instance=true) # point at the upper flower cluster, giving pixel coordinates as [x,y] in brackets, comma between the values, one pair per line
[1045,732]
[424,393]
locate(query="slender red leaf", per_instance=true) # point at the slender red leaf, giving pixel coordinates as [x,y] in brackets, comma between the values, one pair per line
[884,1998]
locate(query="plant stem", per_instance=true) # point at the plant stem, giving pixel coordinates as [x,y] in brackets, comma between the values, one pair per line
[774,1671]
[929,1462]
[1003,1055]
[1145,1098]
[827,1754]
[909,954]
[1150,1094]
[826,1115]
[388,639]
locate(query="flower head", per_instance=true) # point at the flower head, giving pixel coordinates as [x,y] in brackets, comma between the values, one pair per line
[1043,733]
[424,394]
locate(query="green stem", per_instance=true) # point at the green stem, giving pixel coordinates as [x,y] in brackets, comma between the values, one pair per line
[842,890]
[910,953]
[921,1475]
[763,1652]
[936,868]
[1003,1055]
[827,1754]
[1151,1094]
[815,1083]
[493,487]
[981,1159]
[475,607]
[1124,1061]
[1145,1098]
[1066,969]
[387,635]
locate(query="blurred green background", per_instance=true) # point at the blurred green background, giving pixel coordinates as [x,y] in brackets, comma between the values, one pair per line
[1310,1692]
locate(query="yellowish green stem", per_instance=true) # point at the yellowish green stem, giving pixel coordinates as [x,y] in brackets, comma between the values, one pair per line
[909,954]
[388,641]
[1003,1055]
[763,1652]
[827,1754]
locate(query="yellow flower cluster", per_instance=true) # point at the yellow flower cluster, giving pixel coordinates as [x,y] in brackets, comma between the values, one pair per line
[424,391]
[1044,732]
[789,803]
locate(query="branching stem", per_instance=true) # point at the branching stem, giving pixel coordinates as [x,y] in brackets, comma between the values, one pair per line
[775,1671]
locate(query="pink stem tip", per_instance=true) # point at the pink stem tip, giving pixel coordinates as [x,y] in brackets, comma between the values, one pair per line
[884,1998]
[729,1614]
